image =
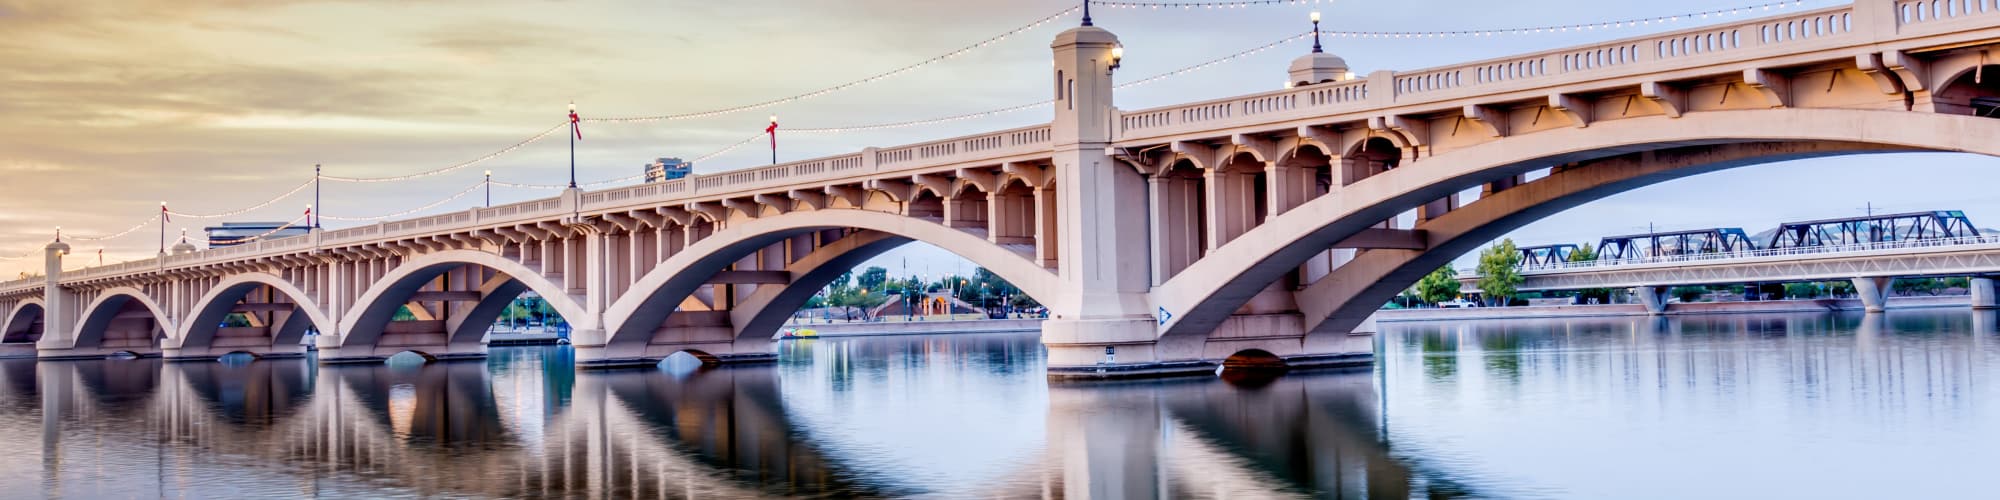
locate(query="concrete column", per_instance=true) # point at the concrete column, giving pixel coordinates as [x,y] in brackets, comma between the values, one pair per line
[58,313]
[1102,245]
[1983,293]
[1157,187]
[1874,293]
[1654,298]
[1283,188]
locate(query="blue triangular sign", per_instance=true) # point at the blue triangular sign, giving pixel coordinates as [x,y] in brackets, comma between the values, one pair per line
[1164,316]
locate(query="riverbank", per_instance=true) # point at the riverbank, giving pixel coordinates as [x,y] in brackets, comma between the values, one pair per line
[877,329]
[1677,308]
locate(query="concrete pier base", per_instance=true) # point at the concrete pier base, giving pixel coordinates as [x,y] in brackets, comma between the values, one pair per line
[1653,297]
[212,353]
[1983,294]
[17,350]
[602,356]
[1874,293]
[58,354]
[331,352]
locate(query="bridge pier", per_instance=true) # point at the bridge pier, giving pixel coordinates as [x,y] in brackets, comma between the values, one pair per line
[331,352]
[1983,293]
[706,335]
[1106,349]
[1653,297]
[1874,292]
[213,353]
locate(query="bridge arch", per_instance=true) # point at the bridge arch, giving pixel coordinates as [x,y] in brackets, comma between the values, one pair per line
[654,297]
[198,331]
[21,323]
[364,322]
[1207,292]
[109,303]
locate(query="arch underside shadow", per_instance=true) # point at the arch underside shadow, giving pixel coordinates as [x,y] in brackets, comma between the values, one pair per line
[277,329]
[1650,150]
[745,330]
[23,324]
[122,320]
[370,333]
[647,313]
[1346,297]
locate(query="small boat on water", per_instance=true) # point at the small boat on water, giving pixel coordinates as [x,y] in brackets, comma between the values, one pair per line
[800,333]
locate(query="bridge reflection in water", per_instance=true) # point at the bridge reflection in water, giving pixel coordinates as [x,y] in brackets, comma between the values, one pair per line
[525,424]
[1585,408]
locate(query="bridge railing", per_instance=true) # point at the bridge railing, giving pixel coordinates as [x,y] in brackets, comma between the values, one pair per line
[1935,13]
[990,145]
[1712,44]
[1753,254]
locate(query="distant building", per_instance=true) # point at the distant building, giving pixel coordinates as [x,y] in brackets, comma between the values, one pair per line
[666,169]
[237,233]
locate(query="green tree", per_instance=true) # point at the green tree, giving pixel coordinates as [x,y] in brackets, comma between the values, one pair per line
[1439,286]
[1500,271]
[872,278]
[1585,253]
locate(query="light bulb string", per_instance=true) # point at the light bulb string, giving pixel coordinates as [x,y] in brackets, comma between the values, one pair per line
[135,228]
[231,213]
[843,86]
[413,211]
[459,166]
[267,234]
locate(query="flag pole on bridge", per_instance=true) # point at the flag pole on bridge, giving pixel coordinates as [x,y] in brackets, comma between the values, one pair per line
[773,132]
[164,218]
[314,223]
[576,133]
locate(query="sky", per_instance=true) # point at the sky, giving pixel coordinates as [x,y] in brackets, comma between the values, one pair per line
[214,105]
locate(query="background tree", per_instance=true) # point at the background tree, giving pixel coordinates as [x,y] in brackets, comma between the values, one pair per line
[1500,271]
[872,278]
[1439,286]
[1583,253]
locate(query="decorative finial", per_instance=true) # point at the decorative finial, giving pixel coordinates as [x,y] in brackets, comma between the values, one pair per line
[1086,12]
[1316,47]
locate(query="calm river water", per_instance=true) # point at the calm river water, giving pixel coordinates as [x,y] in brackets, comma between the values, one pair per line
[1736,406]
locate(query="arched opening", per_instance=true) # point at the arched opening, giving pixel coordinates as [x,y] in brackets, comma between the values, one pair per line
[237,358]
[121,321]
[705,300]
[1253,359]
[684,364]
[967,208]
[1371,157]
[447,305]
[1236,196]
[25,327]
[409,358]
[1251,368]
[1974,92]
[257,314]
[925,204]
[1017,214]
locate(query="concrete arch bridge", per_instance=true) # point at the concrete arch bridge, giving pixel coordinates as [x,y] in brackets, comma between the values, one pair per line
[1162,240]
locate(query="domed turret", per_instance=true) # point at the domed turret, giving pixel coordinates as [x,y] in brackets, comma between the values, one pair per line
[1317,67]
[183,247]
